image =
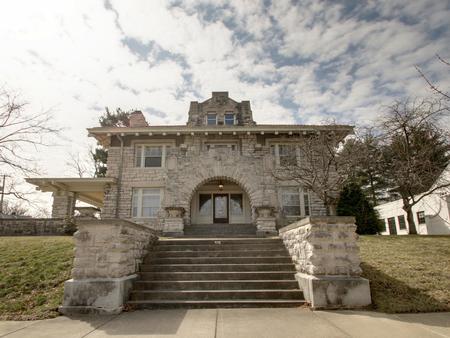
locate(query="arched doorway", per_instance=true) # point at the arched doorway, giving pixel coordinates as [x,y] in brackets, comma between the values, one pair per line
[220,201]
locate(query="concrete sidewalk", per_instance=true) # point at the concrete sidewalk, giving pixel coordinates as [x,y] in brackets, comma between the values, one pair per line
[236,323]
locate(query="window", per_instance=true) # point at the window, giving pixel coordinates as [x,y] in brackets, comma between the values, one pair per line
[290,201]
[392,226]
[306,201]
[205,204]
[383,226]
[211,119]
[401,222]
[146,202]
[150,156]
[236,205]
[285,154]
[229,119]
[421,217]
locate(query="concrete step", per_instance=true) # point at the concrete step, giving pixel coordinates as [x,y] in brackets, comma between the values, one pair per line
[217,247]
[189,304]
[290,294]
[221,241]
[229,253]
[217,260]
[228,267]
[216,284]
[222,275]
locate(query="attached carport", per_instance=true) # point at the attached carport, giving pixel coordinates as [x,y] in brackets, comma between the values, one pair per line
[66,191]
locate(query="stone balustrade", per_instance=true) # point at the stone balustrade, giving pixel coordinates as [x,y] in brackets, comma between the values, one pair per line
[326,257]
[108,254]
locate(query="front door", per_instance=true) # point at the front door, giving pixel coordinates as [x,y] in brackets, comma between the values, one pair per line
[220,208]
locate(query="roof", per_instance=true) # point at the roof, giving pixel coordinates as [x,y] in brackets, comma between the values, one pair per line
[101,133]
[88,190]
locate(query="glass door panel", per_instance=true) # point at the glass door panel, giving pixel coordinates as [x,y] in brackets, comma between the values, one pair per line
[220,208]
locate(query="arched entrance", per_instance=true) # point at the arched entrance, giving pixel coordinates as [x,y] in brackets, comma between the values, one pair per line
[220,200]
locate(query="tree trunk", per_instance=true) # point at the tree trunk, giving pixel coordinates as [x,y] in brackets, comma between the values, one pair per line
[410,217]
[372,190]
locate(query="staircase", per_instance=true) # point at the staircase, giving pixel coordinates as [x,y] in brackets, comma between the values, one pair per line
[220,230]
[237,272]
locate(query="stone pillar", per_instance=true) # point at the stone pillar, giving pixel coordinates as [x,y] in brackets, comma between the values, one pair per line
[108,254]
[173,223]
[265,221]
[63,204]
[326,257]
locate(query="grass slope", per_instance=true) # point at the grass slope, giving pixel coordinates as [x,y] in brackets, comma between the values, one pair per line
[407,273]
[32,273]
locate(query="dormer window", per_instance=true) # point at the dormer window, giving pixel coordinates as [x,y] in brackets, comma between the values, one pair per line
[211,119]
[229,119]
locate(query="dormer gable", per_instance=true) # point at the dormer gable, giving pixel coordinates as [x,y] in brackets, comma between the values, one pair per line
[220,110]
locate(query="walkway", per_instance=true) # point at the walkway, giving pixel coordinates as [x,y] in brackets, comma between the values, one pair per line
[236,323]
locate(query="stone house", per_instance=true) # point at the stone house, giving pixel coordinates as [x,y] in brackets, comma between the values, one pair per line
[216,169]
[213,177]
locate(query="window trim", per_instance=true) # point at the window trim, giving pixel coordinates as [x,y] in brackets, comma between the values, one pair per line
[207,120]
[139,196]
[225,118]
[277,151]
[158,143]
[301,194]
[418,217]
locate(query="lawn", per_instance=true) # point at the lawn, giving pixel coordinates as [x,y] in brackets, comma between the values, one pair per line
[32,275]
[407,274]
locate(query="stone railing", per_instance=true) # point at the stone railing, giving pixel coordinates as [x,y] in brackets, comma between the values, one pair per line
[34,227]
[108,254]
[326,257]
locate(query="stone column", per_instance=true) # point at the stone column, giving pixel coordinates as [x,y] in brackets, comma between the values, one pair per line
[326,257]
[265,221]
[63,204]
[173,223]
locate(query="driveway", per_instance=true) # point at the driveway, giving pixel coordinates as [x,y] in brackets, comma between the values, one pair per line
[235,323]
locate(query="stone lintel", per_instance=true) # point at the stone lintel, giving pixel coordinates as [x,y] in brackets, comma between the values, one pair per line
[319,220]
[96,295]
[333,292]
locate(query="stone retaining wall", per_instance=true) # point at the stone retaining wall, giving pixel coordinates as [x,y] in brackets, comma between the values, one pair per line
[326,256]
[34,227]
[108,254]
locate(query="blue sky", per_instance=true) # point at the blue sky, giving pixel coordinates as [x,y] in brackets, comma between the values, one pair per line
[296,61]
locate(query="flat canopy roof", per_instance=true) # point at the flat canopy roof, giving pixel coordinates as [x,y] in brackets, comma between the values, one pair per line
[88,190]
[102,133]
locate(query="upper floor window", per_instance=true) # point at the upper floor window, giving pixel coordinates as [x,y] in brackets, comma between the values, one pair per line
[285,154]
[146,202]
[229,119]
[211,119]
[295,202]
[150,156]
[421,217]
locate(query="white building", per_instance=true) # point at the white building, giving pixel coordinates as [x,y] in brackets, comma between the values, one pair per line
[431,214]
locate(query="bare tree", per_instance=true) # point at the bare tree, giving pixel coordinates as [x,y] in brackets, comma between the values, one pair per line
[82,165]
[10,208]
[444,94]
[415,151]
[320,168]
[20,129]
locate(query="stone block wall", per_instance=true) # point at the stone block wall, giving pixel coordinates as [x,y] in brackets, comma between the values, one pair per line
[326,257]
[323,246]
[109,248]
[33,227]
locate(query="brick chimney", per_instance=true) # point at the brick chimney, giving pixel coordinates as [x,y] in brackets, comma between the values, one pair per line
[137,119]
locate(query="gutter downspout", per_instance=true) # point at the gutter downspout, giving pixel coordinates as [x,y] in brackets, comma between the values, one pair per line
[119,178]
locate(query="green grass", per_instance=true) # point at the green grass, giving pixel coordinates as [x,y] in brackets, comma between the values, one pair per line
[32,275]
[407,273]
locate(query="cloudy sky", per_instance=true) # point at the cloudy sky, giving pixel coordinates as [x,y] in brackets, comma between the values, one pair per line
[296,61]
